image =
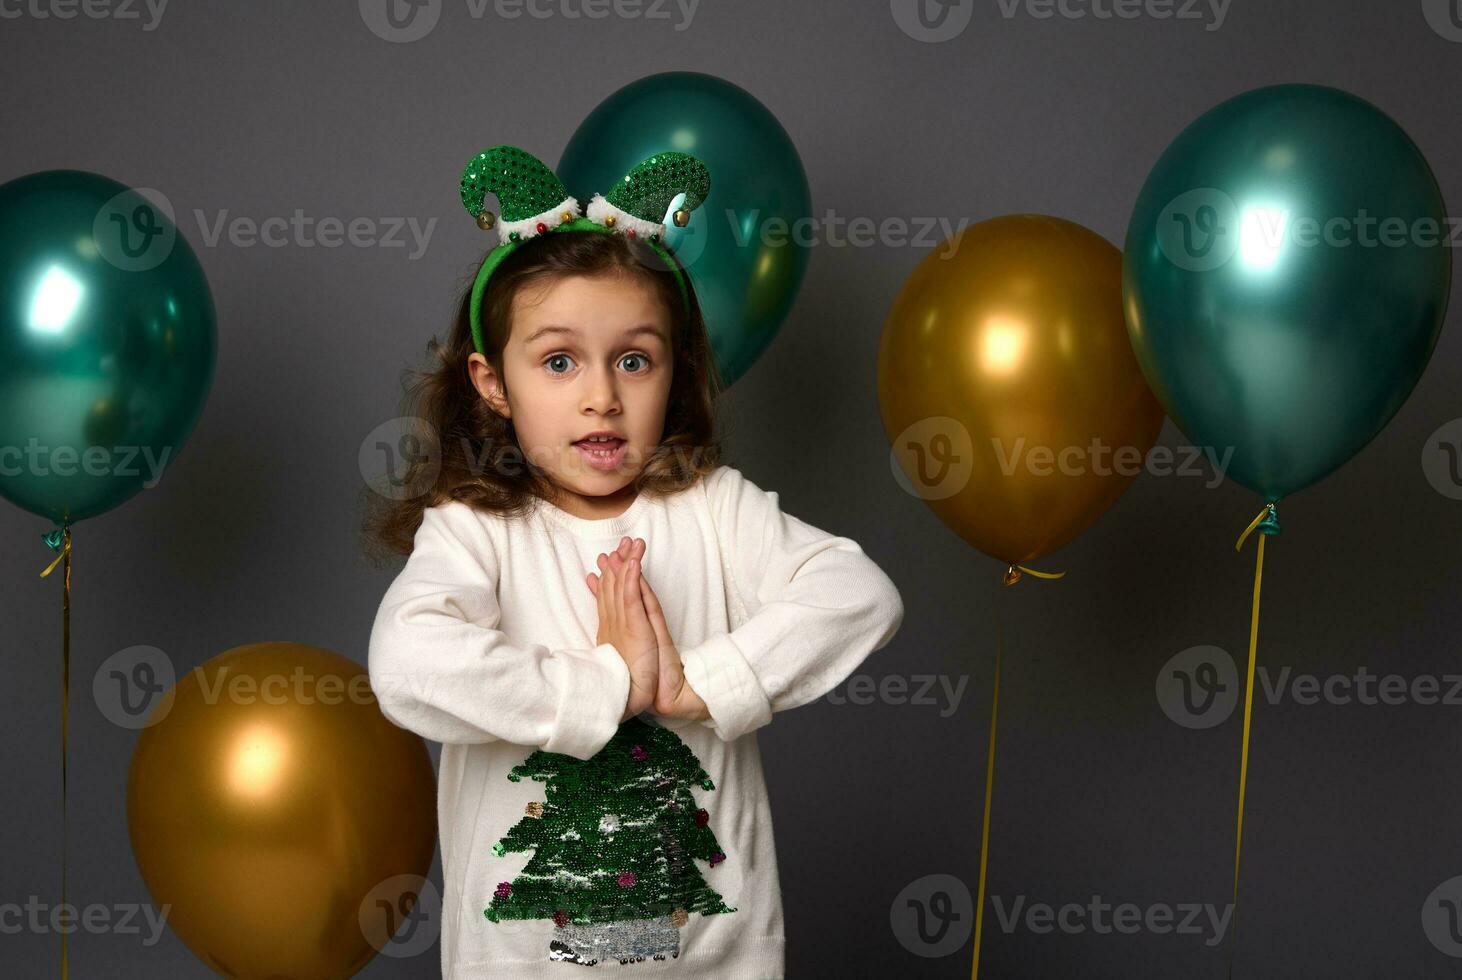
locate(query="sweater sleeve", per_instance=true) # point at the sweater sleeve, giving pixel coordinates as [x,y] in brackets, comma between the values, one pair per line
[820,607]
[440,667]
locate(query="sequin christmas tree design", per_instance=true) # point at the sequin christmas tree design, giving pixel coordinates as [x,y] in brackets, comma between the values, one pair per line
[614,846]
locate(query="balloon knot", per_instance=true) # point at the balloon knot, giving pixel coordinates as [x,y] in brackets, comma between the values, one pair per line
[1012,575]
[1270,523]
[53,539]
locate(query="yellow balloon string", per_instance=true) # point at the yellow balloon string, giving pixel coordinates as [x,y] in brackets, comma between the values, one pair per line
[1012,575]
[1248,717]
[1032,571]
[989,791]
[64,556]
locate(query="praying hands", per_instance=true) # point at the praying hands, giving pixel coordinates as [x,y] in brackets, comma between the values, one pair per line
[631,619]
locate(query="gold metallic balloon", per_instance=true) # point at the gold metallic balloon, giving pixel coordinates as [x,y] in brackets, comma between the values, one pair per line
[272,809]
[1009,391]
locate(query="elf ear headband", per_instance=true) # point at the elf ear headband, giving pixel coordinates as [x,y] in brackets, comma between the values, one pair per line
[534,202]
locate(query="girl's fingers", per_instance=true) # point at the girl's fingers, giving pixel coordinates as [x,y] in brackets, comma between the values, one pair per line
[655,612]
[609,588]
[630,590]
[616,585]
[671,677]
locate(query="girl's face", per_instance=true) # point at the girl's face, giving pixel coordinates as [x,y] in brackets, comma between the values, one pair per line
[585,355]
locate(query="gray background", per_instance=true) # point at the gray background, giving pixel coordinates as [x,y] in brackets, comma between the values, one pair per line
[266,107]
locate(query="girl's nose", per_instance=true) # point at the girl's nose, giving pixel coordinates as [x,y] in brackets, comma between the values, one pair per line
[601,391]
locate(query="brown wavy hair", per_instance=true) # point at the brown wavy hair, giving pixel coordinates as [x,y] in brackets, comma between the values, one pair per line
[474,455]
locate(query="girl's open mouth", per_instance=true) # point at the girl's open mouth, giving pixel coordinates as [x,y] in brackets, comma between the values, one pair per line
[602,455]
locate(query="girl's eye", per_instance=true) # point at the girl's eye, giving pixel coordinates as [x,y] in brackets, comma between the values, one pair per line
[641,362]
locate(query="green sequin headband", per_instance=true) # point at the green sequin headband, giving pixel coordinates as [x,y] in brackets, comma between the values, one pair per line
[534,202]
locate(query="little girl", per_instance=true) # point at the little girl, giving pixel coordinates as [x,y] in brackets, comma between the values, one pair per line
[593,602]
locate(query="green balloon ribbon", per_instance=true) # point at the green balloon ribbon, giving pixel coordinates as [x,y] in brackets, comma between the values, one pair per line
[60,541]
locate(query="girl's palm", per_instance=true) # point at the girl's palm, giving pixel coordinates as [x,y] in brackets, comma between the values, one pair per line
[624,623]
[632,611]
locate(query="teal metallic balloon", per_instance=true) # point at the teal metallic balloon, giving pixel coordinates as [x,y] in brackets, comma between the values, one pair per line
[1286,274]
[107,343]
[741,248]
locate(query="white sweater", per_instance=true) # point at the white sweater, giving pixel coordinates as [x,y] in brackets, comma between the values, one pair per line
[485,642]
